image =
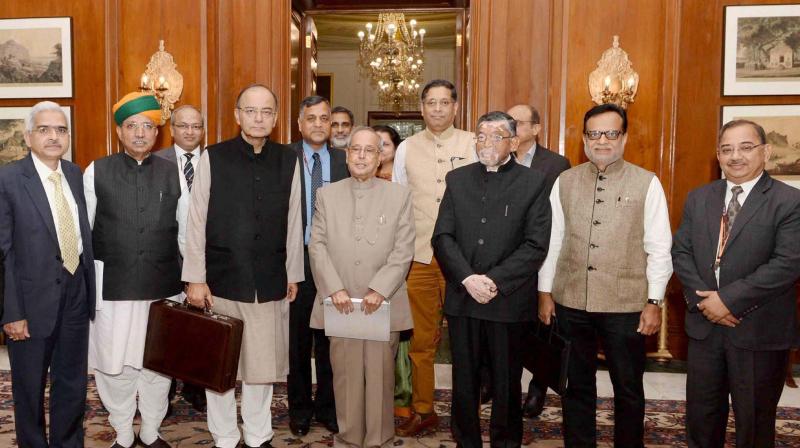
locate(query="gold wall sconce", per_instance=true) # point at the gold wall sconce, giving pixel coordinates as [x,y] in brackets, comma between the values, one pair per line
[614,80]
[162,80]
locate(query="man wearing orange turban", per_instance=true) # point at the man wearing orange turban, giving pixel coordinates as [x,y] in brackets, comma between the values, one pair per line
[134,203]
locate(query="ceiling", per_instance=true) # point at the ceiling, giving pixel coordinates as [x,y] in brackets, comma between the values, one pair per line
[340,31]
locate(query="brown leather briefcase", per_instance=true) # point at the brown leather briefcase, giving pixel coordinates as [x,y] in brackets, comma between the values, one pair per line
[193,345]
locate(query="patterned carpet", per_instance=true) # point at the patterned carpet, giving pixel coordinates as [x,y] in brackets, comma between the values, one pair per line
[664,425]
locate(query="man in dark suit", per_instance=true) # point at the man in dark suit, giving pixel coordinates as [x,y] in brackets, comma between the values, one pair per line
[530,153]
[188,133]
[320,167]
[491,237]
[49,282]
[737,255]
[551,164]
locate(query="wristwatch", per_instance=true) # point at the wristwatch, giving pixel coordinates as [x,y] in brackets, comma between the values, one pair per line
[658,303]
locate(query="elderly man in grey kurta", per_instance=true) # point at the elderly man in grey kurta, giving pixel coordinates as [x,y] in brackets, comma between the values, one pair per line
[244,257]
[362,243]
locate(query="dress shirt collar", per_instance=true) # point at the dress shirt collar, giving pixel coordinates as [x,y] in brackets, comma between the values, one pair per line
[179,152]
[747,187]
[527,159]
[309,151]
[43,170]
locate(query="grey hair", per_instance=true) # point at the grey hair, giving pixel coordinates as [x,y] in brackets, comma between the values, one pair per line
[184,107]
[358,129]
[500,116]
[41,107]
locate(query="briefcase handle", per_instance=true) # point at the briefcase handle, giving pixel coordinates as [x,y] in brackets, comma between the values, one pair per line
[188,306]
[552,326]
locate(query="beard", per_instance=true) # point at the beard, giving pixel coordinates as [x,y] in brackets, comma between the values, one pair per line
[489,157]
[339,142]
[604,159]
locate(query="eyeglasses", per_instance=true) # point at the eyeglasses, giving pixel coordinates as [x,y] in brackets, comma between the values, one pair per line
[433,103]
[312,118]
[134,126]
[44,131]
[186,127]
[744,148]
[494,138]
[369,150]
[251,112]
[611,135]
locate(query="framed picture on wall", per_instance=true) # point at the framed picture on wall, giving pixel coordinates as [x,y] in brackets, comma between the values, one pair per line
[12,130]
[36,58]
[762,50]
[782,125]
[405,123]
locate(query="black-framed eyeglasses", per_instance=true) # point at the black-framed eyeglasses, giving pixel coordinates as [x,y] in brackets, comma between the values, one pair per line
[187,126]
[612,134]
[744,148]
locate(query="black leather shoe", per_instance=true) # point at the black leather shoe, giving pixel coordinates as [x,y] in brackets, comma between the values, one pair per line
[331,425]
[299,427]
[534,401]
[159,443]
[117,445]
[267,444]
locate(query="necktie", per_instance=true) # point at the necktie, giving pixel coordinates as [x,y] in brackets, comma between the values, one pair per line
[733,208]
[316,179]
[67,238]
[188,170]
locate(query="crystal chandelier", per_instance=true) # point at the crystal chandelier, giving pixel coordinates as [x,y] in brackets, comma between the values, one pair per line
[392,57]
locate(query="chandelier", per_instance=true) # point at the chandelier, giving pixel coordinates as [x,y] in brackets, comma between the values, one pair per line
[392,57]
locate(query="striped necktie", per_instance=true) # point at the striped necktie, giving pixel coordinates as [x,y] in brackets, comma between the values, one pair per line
[188,170]
[67,237]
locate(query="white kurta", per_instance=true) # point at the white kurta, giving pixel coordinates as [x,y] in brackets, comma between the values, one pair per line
[118,332]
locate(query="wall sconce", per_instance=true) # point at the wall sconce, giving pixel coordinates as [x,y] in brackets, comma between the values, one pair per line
[162,80]
[614,80]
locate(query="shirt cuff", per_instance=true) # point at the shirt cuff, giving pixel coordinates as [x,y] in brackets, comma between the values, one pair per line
[656,291]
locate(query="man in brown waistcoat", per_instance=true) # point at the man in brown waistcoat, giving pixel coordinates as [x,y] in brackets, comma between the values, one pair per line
[605,275]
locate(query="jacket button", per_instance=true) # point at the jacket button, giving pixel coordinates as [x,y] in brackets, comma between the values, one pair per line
[258,197]
[596,222]
[141,230]
[257,237]
[438,181]
[438,199]
[591,268]
[141,252]
[440,161]
[601,189]
[593,246]
[597,201]
[58,281]
[141,209]
[358,238]
[258,178]
[480,241]
[58,258]
[483,220]
[358,262]
[602,177]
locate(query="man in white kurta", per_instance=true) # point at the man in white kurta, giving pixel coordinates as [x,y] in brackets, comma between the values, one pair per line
[135,205]
[244,258]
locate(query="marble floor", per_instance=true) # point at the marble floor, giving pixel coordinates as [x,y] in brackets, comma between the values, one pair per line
[657,385]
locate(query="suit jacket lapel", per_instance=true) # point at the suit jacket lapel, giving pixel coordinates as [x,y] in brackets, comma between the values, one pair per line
[754,201]
[33,185]
[714,207]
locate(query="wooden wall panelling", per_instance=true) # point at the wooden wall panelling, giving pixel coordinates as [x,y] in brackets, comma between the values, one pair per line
[254,47]
[89,77]
[179,24]
[510,54]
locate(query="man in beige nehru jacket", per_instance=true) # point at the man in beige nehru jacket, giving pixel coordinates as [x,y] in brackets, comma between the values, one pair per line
[421,163]
[605,275]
